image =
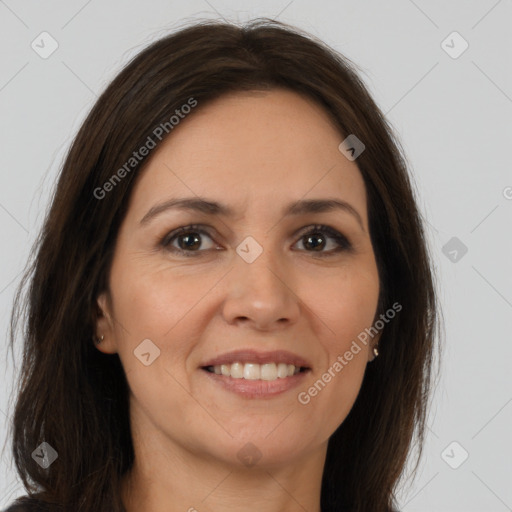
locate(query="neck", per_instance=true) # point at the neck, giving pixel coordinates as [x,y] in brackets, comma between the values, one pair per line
[179,481]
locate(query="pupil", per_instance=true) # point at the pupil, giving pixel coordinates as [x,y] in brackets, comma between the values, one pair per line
[190,245]
[313,237]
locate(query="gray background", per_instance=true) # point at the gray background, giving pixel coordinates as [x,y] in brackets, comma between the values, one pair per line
[453,117]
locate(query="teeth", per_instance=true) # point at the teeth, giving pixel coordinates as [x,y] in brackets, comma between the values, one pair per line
[253,371]
[282,370]
[237,370]
[269,371]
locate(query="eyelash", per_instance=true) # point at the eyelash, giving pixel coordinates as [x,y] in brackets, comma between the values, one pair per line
[341,240]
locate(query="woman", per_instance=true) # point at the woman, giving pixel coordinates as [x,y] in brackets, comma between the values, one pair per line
[232,303]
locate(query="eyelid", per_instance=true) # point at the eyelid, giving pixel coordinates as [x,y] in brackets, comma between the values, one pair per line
[194,228]
[343,242]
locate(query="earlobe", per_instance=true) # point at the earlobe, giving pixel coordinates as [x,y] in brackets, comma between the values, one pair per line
[374,348]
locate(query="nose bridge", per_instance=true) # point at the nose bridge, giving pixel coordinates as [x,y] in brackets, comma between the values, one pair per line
[258,289]
[257,266]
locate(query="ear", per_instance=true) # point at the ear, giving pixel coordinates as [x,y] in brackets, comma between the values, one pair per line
[104,325]
[374,343]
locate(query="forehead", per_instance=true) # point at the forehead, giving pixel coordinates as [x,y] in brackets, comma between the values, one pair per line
[268,147]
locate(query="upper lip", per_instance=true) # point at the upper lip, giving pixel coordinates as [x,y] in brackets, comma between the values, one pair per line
[255,356]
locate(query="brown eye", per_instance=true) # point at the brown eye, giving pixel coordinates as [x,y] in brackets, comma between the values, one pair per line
[189,240]
[317,238]
[315,241]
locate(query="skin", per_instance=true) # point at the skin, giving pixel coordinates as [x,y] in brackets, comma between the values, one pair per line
[256,152]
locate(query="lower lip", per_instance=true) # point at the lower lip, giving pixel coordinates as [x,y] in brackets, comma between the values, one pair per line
[257,388]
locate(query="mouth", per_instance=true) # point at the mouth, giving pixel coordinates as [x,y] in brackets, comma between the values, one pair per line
[254,374]
[254,371]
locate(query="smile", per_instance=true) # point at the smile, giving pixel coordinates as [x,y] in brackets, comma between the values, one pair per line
[251,373]
[255,371]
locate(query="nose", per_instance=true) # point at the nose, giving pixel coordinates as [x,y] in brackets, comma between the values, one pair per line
[261,294]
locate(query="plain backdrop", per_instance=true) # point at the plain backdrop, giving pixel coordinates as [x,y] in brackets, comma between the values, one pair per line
[449,97]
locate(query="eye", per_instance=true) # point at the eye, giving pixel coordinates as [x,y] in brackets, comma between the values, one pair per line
[189,240]
[315,238]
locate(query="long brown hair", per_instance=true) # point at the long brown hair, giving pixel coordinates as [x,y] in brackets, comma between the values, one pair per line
[75,398]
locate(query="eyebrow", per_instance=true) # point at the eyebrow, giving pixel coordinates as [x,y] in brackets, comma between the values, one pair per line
[300,207]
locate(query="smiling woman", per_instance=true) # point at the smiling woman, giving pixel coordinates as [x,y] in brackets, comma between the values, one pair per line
[239,281]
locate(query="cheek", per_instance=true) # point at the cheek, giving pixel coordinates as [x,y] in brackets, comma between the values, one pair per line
[346,303]
[151,298]
[147,306]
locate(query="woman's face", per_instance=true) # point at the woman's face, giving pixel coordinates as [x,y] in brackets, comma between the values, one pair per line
[256,285]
